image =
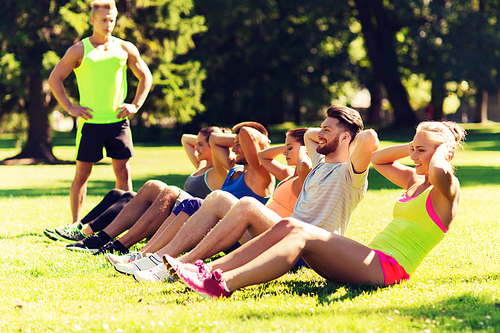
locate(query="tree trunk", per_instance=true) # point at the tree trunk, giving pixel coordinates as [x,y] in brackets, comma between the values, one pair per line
[38,148]
[437,100]
[379,41]
[481,115]
[375,109]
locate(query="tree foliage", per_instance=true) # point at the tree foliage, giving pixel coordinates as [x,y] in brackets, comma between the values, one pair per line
[272,60]
[35,34]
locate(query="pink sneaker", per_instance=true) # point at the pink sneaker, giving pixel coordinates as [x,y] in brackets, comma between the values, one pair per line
[204,285]
[174,264]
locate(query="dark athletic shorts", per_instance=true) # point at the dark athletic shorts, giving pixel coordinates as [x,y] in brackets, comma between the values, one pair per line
[115,137]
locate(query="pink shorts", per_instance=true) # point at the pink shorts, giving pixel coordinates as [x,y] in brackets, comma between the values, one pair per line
[393,272]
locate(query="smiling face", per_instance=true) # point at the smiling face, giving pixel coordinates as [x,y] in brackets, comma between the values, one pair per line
[240,155]
[329,136]
[202,149]
[421,152]
[291,151]
[103,20]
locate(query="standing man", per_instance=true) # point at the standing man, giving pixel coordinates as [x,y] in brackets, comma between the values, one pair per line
[100,64]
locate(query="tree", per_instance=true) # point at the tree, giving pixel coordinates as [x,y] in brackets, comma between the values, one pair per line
[35,34]
[272,61]
[379,30]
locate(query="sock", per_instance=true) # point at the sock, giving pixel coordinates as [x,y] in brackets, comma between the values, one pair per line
[104,236]
[120,246]
[224,285]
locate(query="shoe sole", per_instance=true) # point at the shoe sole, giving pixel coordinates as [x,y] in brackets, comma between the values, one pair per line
[170,269]
[51,234]
[81,249]
[124,273]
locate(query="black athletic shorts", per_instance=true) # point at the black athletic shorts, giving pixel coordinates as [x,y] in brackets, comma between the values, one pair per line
[115,137]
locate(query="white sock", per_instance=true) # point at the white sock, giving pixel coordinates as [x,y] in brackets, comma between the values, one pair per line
[224,285]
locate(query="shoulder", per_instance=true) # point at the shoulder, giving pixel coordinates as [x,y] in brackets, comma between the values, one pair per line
[129,47]
[77,50]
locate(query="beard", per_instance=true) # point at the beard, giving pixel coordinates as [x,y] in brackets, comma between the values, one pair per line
[329,147]
[241,160]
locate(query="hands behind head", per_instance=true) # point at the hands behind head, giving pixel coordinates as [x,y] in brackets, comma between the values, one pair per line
[446,149]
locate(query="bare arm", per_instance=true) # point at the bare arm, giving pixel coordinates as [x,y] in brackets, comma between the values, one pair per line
[143,74]
[267,158]
[366,142]
[441,174]
[222,158]
[252,142]
[188,142]
[385,161]
[304,165]
[71,60]
[311,139]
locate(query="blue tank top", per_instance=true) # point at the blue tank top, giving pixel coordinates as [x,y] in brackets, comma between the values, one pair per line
[238,187]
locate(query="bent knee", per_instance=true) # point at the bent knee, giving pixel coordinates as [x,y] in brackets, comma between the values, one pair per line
[153,185]
[221,196]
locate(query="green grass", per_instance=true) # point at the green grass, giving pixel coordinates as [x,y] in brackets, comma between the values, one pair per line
[46,288]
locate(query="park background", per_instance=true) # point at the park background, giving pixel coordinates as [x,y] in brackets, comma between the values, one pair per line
[218,62]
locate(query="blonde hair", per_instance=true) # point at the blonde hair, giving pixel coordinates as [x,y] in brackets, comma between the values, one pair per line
[98,4]
[440,132]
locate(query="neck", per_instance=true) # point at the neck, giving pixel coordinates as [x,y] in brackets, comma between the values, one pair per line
[337,156]
[100,39]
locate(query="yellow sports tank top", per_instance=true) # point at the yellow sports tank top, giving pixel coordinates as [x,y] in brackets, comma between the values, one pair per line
[102,81]
[412,233]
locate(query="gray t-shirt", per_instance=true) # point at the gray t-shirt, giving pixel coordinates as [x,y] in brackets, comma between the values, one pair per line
[330,193]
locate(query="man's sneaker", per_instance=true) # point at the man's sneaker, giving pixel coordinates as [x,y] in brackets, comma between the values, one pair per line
[151,260]
[70,234]
[174,264]
[205,285]
[110,247]
[89,244]
[114,259]
[51,233]
[158,273]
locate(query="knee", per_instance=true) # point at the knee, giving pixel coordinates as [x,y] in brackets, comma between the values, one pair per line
[152,186]
[115,194]
[290,225]
[247,204]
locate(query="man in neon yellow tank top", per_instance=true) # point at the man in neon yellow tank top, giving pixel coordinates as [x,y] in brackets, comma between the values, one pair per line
[100,63]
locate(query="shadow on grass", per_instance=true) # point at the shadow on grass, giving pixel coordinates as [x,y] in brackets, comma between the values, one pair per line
[95,187]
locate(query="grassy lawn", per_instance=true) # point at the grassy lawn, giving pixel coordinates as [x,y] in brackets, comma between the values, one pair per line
[47,288]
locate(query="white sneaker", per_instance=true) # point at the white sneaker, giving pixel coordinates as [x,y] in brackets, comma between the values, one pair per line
[158,273]
[151,260]
[114,259]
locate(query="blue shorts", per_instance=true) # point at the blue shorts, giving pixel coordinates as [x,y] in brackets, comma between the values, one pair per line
[188,206]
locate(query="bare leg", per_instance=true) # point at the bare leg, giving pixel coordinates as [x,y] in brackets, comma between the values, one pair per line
[248,213]
[135,208]
[78,188]
[337,258]
[214,208]
[122,174]
[152,218]
[165,234]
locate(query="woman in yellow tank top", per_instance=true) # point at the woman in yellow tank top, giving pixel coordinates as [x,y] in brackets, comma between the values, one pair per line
[426,210]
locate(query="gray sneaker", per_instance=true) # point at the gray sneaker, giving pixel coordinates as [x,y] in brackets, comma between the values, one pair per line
[51,233]
[151,260]
[155,274]
[71,234]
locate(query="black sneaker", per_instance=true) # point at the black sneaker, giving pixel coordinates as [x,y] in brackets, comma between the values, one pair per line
[109,248]
[89,244]
[71,234]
